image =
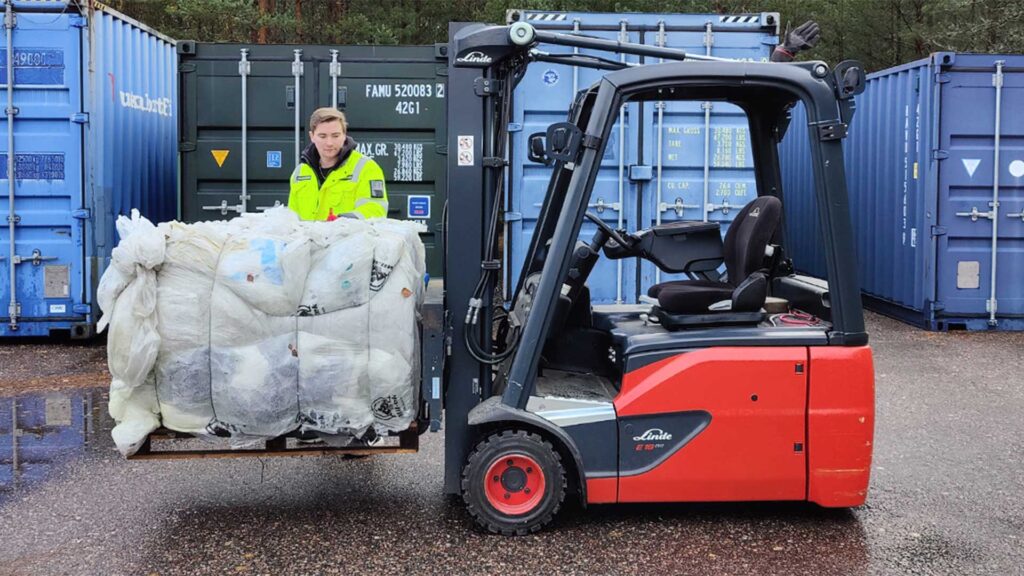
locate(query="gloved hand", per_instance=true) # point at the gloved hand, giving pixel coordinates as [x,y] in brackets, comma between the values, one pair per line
[803,37]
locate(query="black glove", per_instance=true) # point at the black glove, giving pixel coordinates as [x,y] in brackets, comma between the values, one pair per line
[803,37]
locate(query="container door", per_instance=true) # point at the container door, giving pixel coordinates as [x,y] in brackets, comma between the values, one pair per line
[702,164]
[47,253]
[212,142]
[967,181]
[396,113]
[543,98]
[393,97]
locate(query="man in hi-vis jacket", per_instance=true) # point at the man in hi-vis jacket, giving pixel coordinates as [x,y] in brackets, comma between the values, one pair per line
[334,180]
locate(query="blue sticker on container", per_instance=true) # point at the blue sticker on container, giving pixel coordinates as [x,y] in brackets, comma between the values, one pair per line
[419,207]
[273,158]
[35,66]
[34,166]
[550,77]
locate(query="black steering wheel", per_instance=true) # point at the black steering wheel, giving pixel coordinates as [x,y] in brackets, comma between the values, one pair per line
[608,230]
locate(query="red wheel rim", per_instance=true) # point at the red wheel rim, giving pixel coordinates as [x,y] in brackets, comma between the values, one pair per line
[514,484]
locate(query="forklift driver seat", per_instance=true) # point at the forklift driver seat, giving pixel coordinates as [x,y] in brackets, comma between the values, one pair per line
[745,250]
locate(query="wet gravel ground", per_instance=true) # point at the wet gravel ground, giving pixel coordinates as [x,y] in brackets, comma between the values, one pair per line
[947,496]
[42,364]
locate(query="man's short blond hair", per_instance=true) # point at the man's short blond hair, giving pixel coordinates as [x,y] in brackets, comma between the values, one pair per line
[321,115]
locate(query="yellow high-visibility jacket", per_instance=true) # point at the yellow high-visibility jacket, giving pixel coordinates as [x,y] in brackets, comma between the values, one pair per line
[355,188]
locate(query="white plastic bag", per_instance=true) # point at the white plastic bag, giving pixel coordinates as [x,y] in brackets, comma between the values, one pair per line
[127,296]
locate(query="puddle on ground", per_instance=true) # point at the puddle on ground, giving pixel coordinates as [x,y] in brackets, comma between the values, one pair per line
[39,433]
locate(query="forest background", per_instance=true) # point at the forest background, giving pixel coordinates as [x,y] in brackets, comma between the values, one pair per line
[880,33]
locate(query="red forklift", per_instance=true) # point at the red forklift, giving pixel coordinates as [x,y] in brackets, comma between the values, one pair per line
[740,380]
[737,380]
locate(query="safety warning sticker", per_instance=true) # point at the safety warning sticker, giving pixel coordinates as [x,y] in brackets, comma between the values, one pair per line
[219,156]
[466,150]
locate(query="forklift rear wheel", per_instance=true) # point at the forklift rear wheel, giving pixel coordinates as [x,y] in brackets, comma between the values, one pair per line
[513,483]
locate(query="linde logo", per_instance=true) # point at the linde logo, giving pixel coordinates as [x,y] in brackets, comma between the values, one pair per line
[476,57]
[652,435]
[144,103]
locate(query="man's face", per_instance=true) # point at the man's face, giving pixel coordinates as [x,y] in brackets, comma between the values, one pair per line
[328,137]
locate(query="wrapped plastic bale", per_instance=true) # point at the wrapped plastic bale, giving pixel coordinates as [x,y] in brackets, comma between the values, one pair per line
[397,293]
[263,325]
[333,332]
[127,294]
[253,367]
[184,285]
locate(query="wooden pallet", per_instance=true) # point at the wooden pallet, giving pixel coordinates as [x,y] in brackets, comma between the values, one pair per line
[408,443]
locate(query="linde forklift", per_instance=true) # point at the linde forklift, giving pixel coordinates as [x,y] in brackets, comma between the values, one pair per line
[743,381]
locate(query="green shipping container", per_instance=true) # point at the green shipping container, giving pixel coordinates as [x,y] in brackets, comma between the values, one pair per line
[244,112]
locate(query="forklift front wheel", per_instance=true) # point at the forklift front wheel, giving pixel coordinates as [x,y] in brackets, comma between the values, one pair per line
[513,483]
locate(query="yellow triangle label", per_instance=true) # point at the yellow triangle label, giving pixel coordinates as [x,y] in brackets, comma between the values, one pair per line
[220,156]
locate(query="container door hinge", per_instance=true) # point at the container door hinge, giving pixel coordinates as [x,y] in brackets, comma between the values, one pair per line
[441,149]
[78,21]
[81,309]
[936,306]
[81,214]
[832,130]
[187,68]
[186,146]
[513,216]
[941,78]
[487,87]
[80,118]
[938,154]
[515,127]
[938,231]
[493,162]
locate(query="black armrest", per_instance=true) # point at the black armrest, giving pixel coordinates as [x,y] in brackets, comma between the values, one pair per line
[684,246]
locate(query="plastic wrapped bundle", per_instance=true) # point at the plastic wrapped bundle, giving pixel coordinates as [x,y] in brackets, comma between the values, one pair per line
[263,325]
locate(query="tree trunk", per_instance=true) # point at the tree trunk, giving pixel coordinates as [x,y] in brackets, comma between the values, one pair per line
[338,10]
[298,20]
[266,8]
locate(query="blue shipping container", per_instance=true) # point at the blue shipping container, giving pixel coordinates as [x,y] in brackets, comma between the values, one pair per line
[94,135]
[935,170]
[677,161]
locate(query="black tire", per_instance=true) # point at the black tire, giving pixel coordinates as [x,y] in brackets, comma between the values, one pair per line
[508,446]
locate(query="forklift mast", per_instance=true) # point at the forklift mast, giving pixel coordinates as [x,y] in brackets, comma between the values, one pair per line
[485,64]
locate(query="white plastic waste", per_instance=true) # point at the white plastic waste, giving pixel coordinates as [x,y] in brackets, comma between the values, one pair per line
[262,325]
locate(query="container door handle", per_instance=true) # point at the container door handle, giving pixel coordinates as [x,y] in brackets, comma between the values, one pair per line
[725,207]
[36,258]
[601,206]
[678,206]
[223,207]
[974,214]
[1019,215]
